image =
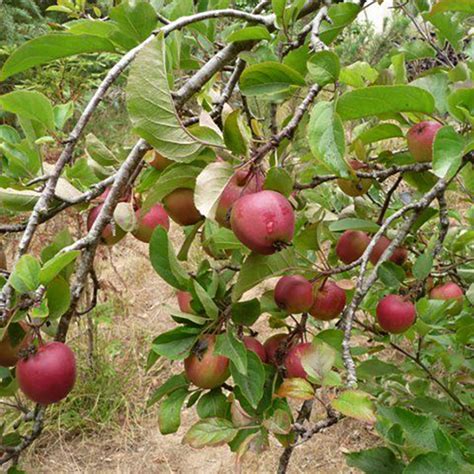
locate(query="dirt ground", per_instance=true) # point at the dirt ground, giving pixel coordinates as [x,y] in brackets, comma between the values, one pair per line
[132,442]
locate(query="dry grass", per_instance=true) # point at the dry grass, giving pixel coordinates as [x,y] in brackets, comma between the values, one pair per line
[104,425]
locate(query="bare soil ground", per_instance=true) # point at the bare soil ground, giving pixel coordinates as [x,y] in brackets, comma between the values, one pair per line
[127,438]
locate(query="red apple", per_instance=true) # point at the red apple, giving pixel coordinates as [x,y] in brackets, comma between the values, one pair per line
[449,292]
[263,221]
[184,301]
[420,140]
[159,162]
[204,368]
[294,367]
[256,346]
[49,375]
[351,245]
[147,222]
[9,353]
[242,183]
[399,255]
[273,345]
[357,186]
[329,301]
[395,314]
[180,206]
[294,294]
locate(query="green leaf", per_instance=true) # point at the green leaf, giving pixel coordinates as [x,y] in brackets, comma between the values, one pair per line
[376,368]
[210,307]
[258,268]
[174,177]
[62,113]
[213,404]
[209,186]
[29,104]
[353,224]
[53,267]
[375,460]
[249,33]
[237,135]
[210,432]
[418,49]
[324,67]
[177,343]
[169,417]
[377,100]
[251,385]
[246,312]
[382,131]
[268,78]
[438,86]
[391,274]
[435,463]
[448,148]
[25,275]
[151,106]
[279,179]
[232,348]
[163,260]
[326,138]
[53,46]
[279,423]
[319,361]
[174,383]
[296,388]
[358,74]
[18,201]
[453,6]
[423,265]
[136,20]
[461,105]
[419,431]
[58,295]
[341,15]
[99,152]
[355,404]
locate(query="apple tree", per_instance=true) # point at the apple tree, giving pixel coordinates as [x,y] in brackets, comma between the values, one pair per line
[350,184]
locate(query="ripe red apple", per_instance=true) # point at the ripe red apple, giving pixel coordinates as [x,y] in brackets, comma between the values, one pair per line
[357,186]
[395,314]
[110,235]
[272,344]
[159,161]
[204,368]
[294,294]
[351,245]
[420,140]
[147,222]
[294,367]
[242,183]
[49,375]
[180,206]
[399,255]
[329,301]
[9,353]
[263,221]
[256,346]
[184,301]
[449,291]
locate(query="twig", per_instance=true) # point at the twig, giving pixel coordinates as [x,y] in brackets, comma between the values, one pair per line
[389,195]
[379,175]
